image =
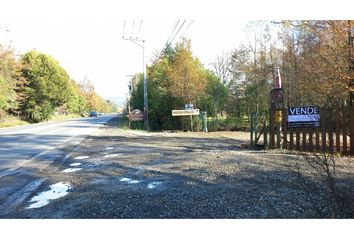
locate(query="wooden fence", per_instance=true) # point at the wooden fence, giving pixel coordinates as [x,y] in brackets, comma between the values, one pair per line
[335,133]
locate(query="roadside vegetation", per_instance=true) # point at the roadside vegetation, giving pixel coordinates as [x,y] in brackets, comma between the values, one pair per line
[312,57]
[35,88]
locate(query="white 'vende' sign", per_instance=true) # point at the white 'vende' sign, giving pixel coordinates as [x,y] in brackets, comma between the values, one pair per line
[299,117]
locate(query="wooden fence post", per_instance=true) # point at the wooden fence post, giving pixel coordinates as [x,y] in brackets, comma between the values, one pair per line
[351,121]
[285,127]
[345,129]
[331,129]
[324,132]
[271,131]
[337,117]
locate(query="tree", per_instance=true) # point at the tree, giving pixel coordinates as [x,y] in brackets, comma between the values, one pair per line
[186,75]
[48,86]
[215,96]
[77,103]
[9,73]
[221,68]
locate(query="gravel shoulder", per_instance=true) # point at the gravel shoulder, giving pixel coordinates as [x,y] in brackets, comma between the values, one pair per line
[138,174]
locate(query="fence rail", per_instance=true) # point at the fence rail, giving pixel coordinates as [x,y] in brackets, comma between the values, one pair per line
[335,133]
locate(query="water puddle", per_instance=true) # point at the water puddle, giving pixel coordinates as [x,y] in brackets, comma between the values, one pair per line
[109,148]
[129,180]
[56,191]
[75,164]
[69,170]
[81,157]
[153,184]
[112,155]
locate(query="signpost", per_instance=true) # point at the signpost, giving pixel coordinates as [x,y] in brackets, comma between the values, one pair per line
[304,117]
[277,105]
[136,115]
[188,112]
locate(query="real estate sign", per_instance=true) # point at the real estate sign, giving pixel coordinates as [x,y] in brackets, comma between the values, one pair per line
[304,117]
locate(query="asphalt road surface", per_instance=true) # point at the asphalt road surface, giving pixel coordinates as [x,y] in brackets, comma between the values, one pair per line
[27,149]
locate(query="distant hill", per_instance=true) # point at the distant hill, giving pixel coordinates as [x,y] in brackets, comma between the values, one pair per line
[117,100]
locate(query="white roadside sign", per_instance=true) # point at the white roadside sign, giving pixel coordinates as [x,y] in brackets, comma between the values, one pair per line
[185,112]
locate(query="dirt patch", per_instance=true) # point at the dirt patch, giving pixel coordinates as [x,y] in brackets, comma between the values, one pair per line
[138,174]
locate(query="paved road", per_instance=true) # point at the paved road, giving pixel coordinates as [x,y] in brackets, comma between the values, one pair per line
[20,144]
[28,150]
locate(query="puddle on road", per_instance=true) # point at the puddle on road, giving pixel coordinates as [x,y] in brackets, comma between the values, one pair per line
[69,170]
[113,155]
[75,164]
[56,191]
[109,148]
[129,180]
[81,157]
[153,184]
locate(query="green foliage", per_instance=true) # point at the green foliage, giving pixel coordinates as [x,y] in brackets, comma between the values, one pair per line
[48,86]
[174,80]
[8,75]
[35,86]
[214,99]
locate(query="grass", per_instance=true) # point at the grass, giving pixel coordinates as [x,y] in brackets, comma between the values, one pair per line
[12,121]
[124,124]
[60,117]
[227,124]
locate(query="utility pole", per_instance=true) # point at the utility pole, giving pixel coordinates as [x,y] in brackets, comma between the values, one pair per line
[140,43]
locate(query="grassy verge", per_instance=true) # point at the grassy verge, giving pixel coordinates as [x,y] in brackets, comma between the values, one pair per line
[228,124]
[12,121]
[124,124]
[60,117]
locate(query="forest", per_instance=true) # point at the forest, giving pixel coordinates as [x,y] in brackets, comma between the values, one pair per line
[313,58]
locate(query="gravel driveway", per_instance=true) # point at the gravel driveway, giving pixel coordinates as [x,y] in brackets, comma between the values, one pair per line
[119,173]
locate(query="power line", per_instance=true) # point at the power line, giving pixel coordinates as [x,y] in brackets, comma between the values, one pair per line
[141,22]
[132,29]
[186,29]
[169,41]
[178,31]
[174,29]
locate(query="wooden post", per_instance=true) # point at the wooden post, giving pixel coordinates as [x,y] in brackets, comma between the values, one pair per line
[297,139]
[317,148]
[345,129]
[310,148]
[304,141]
[291,147]
[271,131]
[351,121]
[278,136]
[265,137]
[285,127]
[251,128]
[337,118]
[324,132]
[331,129]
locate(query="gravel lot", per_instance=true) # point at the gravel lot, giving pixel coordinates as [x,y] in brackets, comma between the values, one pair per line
[137,174]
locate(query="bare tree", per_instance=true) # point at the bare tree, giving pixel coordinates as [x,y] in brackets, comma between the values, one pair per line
[221,67]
